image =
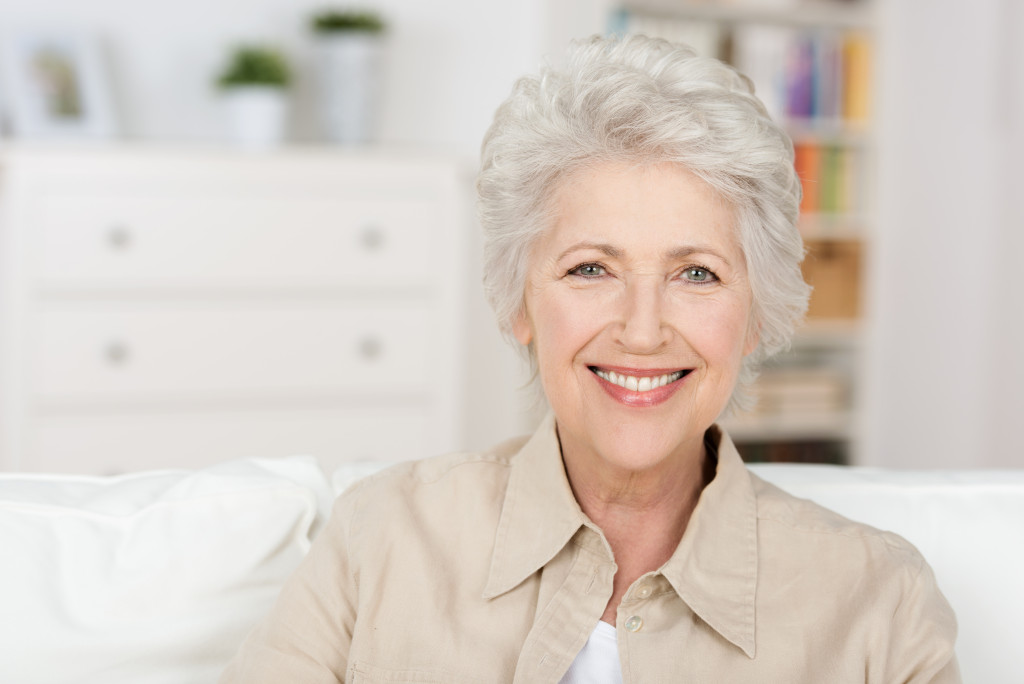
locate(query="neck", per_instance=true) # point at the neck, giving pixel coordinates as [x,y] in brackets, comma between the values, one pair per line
[643,514]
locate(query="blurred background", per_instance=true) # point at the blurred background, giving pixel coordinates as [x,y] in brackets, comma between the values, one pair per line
[239,228]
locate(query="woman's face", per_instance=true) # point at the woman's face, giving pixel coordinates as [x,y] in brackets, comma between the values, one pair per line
[637,303]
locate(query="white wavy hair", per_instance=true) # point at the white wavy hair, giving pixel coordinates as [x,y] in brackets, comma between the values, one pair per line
[645,100]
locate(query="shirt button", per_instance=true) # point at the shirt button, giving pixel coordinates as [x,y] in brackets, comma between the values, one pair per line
[634,624]
[644,591]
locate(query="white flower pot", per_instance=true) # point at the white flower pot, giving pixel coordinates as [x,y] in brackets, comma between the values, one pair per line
[348,70]
[256,115]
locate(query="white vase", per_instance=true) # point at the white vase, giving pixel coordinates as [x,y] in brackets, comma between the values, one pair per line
[256,115]
[348,66]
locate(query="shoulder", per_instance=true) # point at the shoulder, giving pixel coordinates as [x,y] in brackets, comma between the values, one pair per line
[438,471]
[864,575]
[805,527]
[429,487]
[872,586]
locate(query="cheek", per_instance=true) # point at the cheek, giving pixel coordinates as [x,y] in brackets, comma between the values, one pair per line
[563,324]
[719,333]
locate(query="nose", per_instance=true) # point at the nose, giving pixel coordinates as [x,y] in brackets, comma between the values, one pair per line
[643,329]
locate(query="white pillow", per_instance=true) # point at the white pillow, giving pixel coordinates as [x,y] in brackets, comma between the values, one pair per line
[147,578]
[349,473]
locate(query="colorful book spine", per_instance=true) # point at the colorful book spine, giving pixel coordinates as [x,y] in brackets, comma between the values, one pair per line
[856,77]
[831,177]
[800,79]
[827,77]
[831,198]
[808,168]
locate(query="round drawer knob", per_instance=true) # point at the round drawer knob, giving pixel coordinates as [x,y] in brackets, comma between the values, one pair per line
[119,238]
[371,237]
[370,348]
[116,354]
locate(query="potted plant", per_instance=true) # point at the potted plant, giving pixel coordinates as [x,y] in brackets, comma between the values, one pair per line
[254,84]
[348,46]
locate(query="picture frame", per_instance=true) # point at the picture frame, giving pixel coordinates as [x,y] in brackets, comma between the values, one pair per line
[54,86]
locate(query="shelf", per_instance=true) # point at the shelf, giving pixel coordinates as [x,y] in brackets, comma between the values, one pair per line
[821,131]
[772,427]
[814,14]
[822,226]
[828,332]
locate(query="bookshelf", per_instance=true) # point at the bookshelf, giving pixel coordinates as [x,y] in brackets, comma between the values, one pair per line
[811,63]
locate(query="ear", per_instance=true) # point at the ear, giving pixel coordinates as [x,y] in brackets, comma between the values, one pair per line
[521,327]
[753,338]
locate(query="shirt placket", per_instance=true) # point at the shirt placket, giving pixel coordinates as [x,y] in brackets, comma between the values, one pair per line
[563,625]
[641,617]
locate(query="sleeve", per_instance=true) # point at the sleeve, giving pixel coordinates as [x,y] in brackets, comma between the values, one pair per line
[923,635]
[306,637]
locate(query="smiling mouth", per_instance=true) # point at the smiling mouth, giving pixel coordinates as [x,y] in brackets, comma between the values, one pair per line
[639,383]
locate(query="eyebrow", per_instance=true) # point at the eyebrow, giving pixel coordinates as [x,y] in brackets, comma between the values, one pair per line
[603,247]
[615,252]
[683,252]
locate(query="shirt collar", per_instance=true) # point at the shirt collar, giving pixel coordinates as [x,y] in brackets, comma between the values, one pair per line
[713,570]
[539,516]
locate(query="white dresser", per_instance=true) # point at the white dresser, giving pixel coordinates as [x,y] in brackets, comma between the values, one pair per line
[176,307]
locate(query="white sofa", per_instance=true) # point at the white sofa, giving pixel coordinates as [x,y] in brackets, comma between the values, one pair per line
[155,577]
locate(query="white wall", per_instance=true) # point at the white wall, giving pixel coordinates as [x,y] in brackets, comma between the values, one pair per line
[449,62]
[945,380]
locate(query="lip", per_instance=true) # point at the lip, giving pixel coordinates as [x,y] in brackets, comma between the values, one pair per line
[637,399]
[639,372]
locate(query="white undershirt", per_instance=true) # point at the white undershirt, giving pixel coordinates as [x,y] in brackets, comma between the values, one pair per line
[598,662]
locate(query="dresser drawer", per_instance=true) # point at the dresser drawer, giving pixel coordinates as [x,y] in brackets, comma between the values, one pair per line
[160,351]
[120,442]
[194,242]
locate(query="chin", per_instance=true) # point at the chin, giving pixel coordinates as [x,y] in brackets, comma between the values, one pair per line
[640,447]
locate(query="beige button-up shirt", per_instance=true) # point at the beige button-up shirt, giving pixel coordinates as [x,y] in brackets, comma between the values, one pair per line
[483,568]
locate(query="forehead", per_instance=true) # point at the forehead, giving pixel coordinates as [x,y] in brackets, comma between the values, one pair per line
[640,207]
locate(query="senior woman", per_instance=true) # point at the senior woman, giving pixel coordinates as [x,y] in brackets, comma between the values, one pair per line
[640,212]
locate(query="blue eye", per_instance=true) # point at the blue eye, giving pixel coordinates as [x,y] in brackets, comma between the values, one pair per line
[588,270]
[698,274]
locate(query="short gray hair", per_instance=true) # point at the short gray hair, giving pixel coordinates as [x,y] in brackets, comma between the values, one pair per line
[646,100]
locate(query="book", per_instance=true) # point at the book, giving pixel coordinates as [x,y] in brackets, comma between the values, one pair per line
[856,76]
[807,160]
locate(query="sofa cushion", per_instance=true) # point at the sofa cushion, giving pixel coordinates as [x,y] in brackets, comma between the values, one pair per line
[147,578]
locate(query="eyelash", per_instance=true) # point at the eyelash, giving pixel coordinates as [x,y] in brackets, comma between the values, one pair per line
[712,278]
[576,270]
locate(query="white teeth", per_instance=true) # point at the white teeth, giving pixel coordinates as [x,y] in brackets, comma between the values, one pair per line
[638,384]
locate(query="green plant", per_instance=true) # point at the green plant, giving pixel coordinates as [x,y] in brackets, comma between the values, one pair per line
[255,65]
[334,21]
